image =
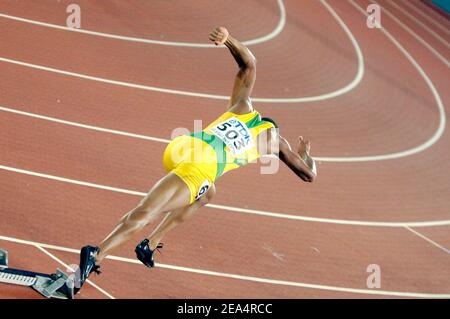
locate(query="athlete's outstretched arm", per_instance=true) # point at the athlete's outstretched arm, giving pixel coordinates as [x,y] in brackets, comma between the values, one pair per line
[300,162]
[246,76]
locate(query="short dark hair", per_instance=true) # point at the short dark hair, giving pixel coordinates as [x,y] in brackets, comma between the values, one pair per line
[268,119]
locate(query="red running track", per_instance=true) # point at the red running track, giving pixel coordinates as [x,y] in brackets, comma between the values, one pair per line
[377,120]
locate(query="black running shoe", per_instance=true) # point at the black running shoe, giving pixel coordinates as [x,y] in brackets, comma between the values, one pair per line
[145,254]
[87,264]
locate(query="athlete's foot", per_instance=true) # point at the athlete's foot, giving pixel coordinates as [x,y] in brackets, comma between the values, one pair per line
[145,254]
[87,264]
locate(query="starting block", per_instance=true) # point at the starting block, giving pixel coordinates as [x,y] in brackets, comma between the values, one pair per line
[58,285]
[3,259]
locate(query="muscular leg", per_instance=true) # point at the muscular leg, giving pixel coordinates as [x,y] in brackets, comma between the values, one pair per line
[169,194]
[178,216]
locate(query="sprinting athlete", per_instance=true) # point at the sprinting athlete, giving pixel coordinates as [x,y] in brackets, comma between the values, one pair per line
[194,162]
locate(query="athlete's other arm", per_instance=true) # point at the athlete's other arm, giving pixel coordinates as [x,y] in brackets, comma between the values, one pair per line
[246,76]
[300,162]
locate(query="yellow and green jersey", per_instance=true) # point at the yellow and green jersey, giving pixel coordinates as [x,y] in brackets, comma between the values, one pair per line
[234,140]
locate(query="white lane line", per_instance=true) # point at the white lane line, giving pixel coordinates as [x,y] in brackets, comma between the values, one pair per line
[354,83]
[423,25]
[113,82]
[70,268]
[72,181]
[277,215]
[236,209]
[84,126]
[151,138]
[245,278]
[436,136]
[442,116]
[279,27]
[417,37]
[428,239]
[330,220]
[427,17]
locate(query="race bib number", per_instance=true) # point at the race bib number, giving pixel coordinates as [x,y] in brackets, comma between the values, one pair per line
[235,135]
[203,189]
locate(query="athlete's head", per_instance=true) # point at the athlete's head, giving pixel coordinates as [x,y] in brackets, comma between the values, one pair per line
[268,119]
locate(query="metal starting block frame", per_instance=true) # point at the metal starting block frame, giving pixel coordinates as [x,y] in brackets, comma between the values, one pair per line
[58,285]
[3,259]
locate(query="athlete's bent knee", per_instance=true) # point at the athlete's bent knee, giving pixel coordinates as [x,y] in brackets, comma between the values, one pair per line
[140,216]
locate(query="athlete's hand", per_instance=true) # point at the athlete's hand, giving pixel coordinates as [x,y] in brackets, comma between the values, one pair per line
[219,35]
[303,147]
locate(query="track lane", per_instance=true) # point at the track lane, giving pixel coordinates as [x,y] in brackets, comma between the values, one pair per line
[417,163]
[439,235]
[142,19]
[130,163]
[426,19]
[297,244]
[435,38]
[109,58]
[431,12]
[371,117]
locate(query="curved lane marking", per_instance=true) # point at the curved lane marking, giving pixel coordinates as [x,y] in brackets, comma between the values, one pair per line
[415,35]
[396,155]
[354,83]
[267,37]
[442,116]
[426,17]
[423,25]
[388,224]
